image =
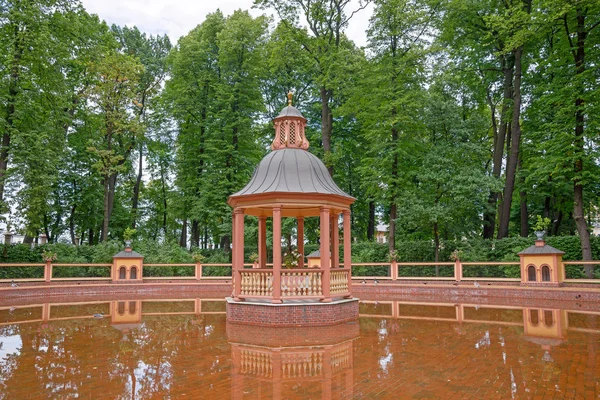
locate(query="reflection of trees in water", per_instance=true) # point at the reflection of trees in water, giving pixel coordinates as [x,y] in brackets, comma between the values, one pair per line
[62,359]
[86,358]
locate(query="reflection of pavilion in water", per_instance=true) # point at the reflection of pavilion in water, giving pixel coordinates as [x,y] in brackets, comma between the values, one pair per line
[282,363]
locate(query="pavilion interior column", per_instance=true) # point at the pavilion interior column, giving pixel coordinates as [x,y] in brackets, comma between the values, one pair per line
[234,272]
[238,249]
[335,241]
[300,240]
[325,250]
[348,249]
[262,242]
[347,239]
[276,255]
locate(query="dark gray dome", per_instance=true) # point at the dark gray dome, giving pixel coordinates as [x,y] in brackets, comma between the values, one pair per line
[290,111]
[291,170]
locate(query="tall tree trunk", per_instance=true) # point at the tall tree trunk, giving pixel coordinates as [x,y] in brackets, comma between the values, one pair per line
[106,216]
[524,214]
[72,223]
[489,218]
[225,243]
[136,189]
[326,125]
[164,196]
[195,239]
[513,156]
[371,224]
[556,223]
[183,237]
[392,227]
[578,213]
[393,206]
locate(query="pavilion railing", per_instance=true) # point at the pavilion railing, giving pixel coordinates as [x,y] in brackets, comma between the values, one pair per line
[302,283]
[256,282]
[339,282]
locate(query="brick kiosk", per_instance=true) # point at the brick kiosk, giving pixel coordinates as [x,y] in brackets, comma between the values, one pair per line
[292,182]
[541,265]
[127,266]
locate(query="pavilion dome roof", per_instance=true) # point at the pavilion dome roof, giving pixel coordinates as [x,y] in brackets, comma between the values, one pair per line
[291,170]
[290,111]
[289,167]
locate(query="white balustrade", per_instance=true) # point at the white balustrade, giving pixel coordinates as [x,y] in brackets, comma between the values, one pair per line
[257,283]
[301,283]
[339,282]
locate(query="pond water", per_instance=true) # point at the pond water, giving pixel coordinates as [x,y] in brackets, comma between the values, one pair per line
[183,348]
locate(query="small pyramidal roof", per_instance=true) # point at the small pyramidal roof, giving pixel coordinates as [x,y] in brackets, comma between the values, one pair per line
[314,254]
[540,247]
[289,168]
[128,253]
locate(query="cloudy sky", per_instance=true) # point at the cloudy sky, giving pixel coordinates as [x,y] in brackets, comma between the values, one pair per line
[177,17]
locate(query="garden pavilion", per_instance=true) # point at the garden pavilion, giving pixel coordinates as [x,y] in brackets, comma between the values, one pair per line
[292,182]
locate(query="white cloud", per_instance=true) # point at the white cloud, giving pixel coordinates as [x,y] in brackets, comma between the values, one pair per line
[177,17]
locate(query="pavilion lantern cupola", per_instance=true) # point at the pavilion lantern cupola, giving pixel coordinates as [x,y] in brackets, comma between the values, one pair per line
[294,183]
[289,128]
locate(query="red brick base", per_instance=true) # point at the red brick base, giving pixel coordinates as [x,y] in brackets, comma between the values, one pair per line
[296,314]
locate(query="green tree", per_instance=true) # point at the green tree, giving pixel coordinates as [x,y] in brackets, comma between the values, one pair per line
[325,42]
[111,97]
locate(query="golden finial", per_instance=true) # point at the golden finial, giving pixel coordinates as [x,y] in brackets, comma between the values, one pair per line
[289,95]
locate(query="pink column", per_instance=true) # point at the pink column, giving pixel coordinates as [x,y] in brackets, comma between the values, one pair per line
[262,242]
[325,253]
[457,270]
[347,248]
[300,240]
[48,271]
[335,241]
[198,272]
[233,254]
[347,239]
[276,255]
[238,250]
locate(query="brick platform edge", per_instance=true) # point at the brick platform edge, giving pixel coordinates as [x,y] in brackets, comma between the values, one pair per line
[122,291]
[462,293]
[292,314]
